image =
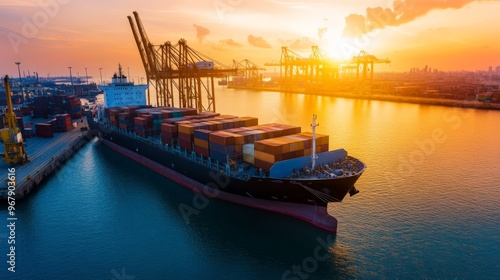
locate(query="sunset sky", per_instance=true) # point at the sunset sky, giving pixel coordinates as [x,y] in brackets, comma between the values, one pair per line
[47,36]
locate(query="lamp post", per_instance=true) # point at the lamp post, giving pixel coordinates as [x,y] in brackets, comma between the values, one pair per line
[20,81]
[100,73]
[71,80]
[86,76]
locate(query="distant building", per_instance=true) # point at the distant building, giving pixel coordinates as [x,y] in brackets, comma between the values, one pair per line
[490,69]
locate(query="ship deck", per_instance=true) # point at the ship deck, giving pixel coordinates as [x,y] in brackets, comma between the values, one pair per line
[348,166]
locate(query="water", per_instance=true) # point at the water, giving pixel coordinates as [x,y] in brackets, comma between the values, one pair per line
[428,208]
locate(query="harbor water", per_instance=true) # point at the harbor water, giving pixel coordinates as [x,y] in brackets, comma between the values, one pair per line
[428,207]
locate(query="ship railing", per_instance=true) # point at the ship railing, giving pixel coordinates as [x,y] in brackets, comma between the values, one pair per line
[215,165]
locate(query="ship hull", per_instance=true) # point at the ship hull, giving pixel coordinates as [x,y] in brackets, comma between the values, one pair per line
[303,199]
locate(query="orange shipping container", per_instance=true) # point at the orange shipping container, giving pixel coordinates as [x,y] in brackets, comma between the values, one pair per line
[186,128]
[201,143]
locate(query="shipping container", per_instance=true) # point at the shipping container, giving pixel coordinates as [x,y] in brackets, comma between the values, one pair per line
[44,130]
[202,134]
[29,132]
[202,151]
[205,65]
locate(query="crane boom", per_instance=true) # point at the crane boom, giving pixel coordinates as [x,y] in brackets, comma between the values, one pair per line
[14,149]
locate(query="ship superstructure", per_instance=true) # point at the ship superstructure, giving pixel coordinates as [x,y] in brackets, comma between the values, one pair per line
[122,92]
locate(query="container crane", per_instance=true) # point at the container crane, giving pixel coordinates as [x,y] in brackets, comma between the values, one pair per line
[14,148]
[178,68]
[363,60]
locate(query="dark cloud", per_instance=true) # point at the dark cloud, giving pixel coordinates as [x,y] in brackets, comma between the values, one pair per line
[201,32]
[230,42]
[258,42]
[402,11]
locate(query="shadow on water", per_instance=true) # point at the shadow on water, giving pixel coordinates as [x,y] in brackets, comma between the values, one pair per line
[234,235]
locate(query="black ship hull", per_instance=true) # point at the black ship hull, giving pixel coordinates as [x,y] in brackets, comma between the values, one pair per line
[305,199]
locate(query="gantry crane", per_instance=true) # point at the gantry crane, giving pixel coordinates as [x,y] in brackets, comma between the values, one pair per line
[362,60]
[14,148]
[178,69]
[248,72]
[298,71]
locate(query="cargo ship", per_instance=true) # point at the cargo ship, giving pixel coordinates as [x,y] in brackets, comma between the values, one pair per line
[274,167]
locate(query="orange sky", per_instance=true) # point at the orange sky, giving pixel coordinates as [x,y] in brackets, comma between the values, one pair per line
[47,36]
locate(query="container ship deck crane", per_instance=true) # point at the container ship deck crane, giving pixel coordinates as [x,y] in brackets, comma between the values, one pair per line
[14,148]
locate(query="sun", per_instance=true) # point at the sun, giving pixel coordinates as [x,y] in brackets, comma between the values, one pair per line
[338,47]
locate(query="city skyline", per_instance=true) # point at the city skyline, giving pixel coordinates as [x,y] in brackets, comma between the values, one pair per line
[49,36]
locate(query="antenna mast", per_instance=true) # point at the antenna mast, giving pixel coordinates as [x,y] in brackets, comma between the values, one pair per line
[313,155]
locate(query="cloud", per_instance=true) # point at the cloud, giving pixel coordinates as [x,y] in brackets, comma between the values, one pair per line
[201,32]
[258,42]
[354,25]
[300,44]
[230,42]
[322,32]
[402,11]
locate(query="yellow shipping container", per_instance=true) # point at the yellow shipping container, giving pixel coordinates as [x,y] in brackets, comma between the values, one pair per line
[201,143]
[265,157]
[186,128]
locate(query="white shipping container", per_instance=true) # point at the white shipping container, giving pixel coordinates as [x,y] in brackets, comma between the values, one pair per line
[248,149]
[205,65]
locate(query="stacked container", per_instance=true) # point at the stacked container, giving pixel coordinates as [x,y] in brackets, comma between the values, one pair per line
[44,130]
[143,126]
[73,107]
[265,131]
[114,117]
[201,142]
[223,144]
[221,136]
[43,106]
[157,121]
[186,135]
[269,151]
[168,133]
[126,121]
[53,125]
[63,123]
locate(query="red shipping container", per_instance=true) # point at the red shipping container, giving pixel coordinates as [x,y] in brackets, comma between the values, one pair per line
[186,137]
[202,151]
[185,144]
[44,130]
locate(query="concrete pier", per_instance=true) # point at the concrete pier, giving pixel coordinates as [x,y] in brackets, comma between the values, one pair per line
[46,156]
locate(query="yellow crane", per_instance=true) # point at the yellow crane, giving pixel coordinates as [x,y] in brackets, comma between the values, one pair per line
[13,144]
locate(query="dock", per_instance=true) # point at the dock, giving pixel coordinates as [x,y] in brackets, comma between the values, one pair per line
[46,156]
[474,104]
